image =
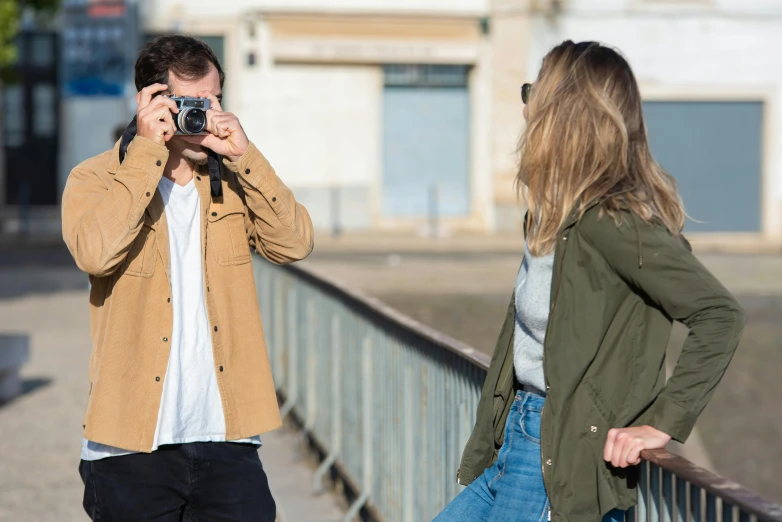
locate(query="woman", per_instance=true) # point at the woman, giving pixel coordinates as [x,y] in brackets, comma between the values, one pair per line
[576,388]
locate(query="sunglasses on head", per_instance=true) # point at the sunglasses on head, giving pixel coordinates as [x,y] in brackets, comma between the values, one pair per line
[525,90]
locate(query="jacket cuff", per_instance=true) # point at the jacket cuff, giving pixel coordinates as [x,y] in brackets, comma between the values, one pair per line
[144,154]
[252,167]
[670,418]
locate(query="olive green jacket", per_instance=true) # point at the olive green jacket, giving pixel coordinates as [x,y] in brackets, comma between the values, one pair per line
[615,291]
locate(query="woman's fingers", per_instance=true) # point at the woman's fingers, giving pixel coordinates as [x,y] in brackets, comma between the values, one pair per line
[608,450]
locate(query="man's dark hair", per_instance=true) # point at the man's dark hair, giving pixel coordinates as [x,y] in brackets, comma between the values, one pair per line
[186,57]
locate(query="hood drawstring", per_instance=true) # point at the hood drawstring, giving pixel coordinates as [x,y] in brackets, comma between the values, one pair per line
[640,243]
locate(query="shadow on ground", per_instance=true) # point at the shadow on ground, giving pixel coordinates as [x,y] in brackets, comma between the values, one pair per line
[29,385]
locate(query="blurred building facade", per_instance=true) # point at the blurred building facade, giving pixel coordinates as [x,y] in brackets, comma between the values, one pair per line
[384,114]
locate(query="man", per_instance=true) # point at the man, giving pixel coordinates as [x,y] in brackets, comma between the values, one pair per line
[180,384]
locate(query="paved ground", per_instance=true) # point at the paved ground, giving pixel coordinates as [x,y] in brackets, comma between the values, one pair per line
[462,288]
[40,432]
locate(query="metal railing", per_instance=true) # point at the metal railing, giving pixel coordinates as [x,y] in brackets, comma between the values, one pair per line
[392,403]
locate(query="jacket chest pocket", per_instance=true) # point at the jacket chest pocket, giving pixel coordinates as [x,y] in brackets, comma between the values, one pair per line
[227,237]
[140,261]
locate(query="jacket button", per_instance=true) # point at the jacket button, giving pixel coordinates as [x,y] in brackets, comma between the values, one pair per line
[214,214]
[198,178]
[274,199]
[147,194]
[168,300]
[157,379]
[594,429]
[548,462]
[158,163]
[246,171]
[215,328]
[564,238]
[221,368]
[165,339]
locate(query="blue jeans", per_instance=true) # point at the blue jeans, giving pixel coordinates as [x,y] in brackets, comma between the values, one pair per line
[512,489]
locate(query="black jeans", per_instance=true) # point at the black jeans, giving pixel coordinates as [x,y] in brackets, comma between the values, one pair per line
[202,481]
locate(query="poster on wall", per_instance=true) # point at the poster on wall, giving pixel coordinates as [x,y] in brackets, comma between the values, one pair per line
[98,46]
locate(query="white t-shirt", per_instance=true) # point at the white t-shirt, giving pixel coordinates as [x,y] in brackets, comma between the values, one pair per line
[190,409]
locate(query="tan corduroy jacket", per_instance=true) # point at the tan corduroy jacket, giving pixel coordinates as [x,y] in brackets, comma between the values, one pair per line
[115,228]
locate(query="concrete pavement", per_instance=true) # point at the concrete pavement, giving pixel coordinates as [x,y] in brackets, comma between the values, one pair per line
[40,432]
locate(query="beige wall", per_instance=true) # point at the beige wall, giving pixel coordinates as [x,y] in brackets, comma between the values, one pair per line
[510,37]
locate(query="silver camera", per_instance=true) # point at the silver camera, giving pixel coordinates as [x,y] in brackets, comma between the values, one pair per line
[191,119]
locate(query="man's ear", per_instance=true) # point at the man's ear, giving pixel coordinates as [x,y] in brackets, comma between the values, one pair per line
[138,97]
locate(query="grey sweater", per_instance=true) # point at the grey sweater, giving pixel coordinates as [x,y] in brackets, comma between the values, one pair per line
[533,295]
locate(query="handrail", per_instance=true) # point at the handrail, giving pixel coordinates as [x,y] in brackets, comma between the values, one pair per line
[413,393]
[385,313]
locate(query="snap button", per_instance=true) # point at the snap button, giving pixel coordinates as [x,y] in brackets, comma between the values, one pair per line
[214,214]
[147,194]
[168,300]
[246,171]
[221,368]
[274,199]
[548,462]
[564,238]
[158,163]
[157,379]
[594,429]
[165,339]
[198,178]
[215,328]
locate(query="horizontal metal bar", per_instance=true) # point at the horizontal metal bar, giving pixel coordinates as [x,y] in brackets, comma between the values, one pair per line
[374,309]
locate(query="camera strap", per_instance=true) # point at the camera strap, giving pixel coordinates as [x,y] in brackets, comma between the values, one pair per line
[213,159]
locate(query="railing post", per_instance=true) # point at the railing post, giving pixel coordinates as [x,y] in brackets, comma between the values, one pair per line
[312,363]
[292,346]
[336,412]
[409,426]
[367,426]
[668,499]
[654,493]
[279,326]
[643,492]
[311,377]
[681,500]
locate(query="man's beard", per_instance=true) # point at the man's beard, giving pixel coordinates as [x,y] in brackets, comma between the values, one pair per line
[196,157]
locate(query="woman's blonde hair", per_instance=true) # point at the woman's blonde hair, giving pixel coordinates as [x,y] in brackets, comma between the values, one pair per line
[585,143]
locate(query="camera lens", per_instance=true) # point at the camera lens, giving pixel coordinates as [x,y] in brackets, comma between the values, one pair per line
[191,121]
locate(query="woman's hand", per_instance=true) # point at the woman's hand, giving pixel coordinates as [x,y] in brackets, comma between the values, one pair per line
[624,445]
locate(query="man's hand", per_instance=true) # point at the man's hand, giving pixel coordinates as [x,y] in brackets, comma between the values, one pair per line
[624,446]
[153,116]
[227,136]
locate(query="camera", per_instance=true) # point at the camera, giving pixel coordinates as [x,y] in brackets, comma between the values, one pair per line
[192,115]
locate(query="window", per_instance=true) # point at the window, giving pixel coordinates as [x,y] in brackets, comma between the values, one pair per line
[44,107]
[42,51]
[14,115]
[425,75]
